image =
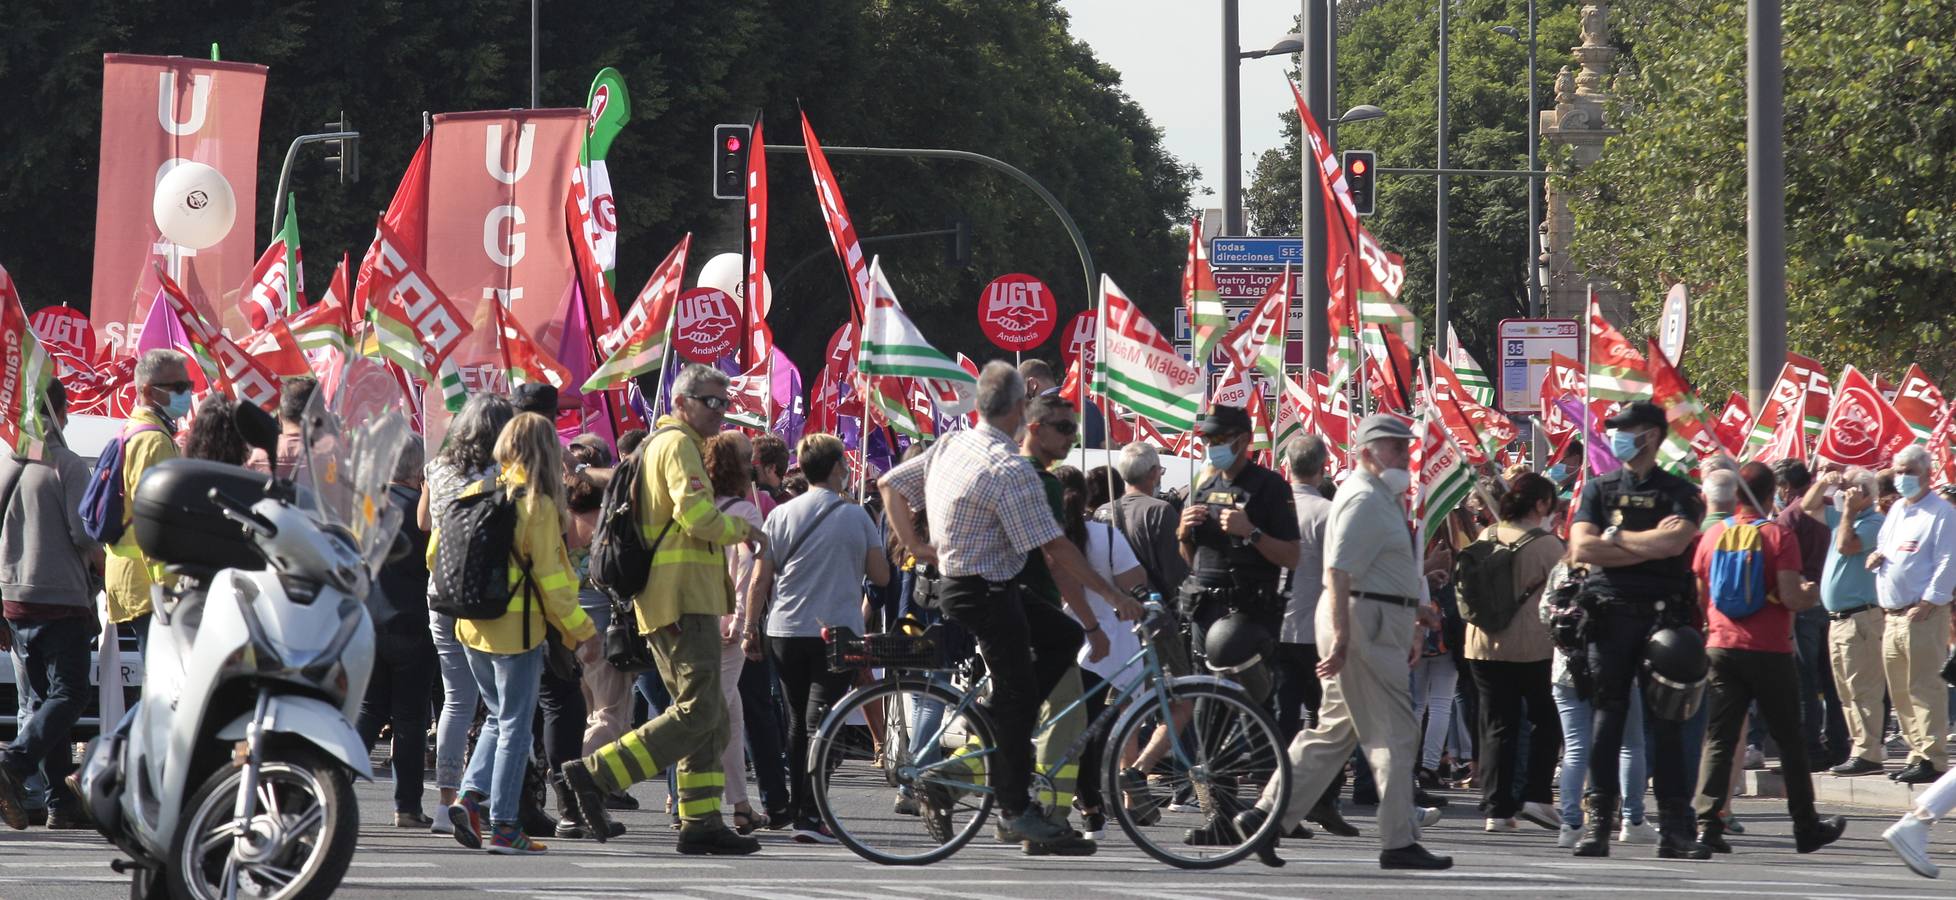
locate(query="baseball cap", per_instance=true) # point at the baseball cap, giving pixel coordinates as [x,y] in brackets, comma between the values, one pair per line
[535,397]
[1381,425]
[1224,420]
[1641,414]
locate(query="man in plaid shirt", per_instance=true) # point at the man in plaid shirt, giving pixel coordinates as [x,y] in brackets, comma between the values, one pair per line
[987,512]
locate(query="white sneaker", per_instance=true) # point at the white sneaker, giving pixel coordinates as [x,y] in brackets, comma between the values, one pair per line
[1429,816]
[1567,836]
[1637,833]
[1909,838]
[442,825]
[1502,826]
[1541,814]
[1755,758]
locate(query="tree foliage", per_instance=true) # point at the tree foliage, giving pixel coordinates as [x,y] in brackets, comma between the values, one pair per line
[1388,56]
[1870,155]
[1001,77]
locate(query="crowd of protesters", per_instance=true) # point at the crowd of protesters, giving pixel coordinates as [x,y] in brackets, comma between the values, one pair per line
[1563,646]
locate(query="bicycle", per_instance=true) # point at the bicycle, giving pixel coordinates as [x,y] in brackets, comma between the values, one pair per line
[925,733]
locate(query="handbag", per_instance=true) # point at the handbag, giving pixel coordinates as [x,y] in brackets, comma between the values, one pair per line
[1949,669]
[624,648]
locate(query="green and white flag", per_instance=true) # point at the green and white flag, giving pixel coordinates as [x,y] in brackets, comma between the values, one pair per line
[1444,478]
[610,108]
[1469,371]
[1136,367]
[892,345]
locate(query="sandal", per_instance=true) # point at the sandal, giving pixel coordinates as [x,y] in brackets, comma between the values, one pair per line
[749,821]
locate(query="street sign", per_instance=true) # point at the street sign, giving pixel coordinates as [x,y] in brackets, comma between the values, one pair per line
[1524,346]
[1256,251]
[1017,312]
[1235,313]
[1250,285]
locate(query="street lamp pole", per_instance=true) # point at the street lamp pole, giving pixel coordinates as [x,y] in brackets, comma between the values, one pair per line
[1317,36]
[1765,187]
[1232,103]
[1440,238]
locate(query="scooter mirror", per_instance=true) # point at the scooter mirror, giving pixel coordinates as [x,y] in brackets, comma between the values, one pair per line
[258,428]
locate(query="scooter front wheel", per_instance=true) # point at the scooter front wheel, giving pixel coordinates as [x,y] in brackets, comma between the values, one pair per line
[296,844]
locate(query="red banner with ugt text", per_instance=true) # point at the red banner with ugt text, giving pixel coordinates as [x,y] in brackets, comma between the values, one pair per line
[496,226]
[158,111]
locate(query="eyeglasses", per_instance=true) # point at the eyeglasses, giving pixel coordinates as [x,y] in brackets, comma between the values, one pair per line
[1065,427]
[715,404]
[174,387]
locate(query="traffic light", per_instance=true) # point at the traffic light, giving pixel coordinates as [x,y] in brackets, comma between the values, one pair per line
[957,244]
[1362,176]
[730,161]
[346,151]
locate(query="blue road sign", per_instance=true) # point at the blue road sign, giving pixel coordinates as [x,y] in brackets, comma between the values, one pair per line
[1256,251]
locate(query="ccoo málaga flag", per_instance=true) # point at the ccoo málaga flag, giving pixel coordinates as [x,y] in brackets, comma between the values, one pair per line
[1137,368]
[892,345]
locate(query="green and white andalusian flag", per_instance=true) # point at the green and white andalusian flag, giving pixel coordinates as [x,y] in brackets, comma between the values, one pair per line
[1616,369]
[892,345]
[1136,367]
[1444,478]
[1207,319]
[1469,371]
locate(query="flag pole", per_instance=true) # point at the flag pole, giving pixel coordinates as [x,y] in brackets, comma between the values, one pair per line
[1106,408]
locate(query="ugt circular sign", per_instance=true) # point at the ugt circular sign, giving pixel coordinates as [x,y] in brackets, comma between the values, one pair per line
[1079,341]
[707,326]
[1017,312]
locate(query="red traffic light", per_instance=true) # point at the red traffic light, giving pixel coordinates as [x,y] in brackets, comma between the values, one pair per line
[733,143]
[1359,167]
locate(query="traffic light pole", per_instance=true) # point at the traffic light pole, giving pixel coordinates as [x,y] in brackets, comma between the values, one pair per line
[292,156]
[1017,174]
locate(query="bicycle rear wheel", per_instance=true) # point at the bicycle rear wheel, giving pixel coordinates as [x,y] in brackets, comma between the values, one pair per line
[871,787]
[1218,765]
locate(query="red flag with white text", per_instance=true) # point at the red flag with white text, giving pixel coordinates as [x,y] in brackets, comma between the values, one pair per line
[1862,429]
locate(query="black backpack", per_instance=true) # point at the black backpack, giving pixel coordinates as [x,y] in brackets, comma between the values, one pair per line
[620,560]
[471,574]
[1484,581]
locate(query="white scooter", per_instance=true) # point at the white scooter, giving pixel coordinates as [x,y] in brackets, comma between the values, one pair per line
[233,775]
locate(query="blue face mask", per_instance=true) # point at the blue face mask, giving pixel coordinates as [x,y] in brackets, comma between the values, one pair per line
[178,406]
[1908,485]
[1222,456]
[1624,445]
[1557,472]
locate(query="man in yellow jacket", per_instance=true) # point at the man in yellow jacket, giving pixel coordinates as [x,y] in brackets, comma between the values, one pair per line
[679,610]
[163,398]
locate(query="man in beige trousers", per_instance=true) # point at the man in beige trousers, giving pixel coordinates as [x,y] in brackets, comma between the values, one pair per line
[1365,629]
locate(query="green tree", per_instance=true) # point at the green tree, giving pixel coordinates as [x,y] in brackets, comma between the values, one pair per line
[1388,56]
[1870,151]
[1003,78]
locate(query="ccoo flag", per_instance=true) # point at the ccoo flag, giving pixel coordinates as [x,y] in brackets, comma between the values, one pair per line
[1137,368]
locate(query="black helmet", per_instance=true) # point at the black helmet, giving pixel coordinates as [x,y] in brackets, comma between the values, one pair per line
[1674,658]
[1235,644]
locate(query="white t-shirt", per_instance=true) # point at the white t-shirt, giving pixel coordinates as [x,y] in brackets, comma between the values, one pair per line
[1121,642]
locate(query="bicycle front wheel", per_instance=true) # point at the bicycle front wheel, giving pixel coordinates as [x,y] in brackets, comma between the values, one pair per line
[909,787]
[1226,755]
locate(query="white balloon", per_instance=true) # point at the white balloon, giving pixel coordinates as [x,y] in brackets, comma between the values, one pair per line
[724,272]
[194,205]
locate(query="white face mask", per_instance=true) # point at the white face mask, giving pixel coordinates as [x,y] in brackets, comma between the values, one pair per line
[1397,480]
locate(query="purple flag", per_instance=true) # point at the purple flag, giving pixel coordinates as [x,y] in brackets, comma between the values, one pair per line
[1601,460]
[569,333]
[793,418]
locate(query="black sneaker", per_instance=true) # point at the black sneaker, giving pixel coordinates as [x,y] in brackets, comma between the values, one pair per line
[589,801]
[1413,856]
[569,829]
[1070,844]
[1856,766]
[1329,819]
[1819,834]
[715,839]
[622,800]
[1094,824]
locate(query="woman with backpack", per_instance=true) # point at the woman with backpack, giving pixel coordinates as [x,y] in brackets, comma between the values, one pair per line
[1511,658]
[506,653]
[467,455]
[729,465]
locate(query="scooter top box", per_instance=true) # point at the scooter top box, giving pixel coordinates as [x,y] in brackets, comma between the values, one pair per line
[177,524]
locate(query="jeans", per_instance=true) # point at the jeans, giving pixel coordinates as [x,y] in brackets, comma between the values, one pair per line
[398,694]
[1434,681]
[761,718]
[1616,657]
[1578,722]
[1739,678]
[459,697]
[1028,645]
[1822,722]
[54,656]
[811,688]
[508,685]
[1504,688]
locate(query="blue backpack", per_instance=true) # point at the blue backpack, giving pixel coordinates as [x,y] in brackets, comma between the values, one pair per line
[102,503]
[1738,570]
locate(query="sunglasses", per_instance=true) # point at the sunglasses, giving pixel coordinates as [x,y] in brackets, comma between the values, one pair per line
[1066,427]
[173,387]
[715,404]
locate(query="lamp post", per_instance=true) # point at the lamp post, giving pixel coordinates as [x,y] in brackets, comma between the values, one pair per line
[1440,237]
[1533,259]
[1232,104]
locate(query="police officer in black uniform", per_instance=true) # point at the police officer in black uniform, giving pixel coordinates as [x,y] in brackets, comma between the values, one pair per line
[1238,530]
[1634,530]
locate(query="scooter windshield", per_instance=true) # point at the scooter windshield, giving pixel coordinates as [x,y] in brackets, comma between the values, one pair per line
[354,436]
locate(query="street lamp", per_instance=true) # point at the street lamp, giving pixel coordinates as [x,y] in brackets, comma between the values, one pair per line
[1364,112]
[1534,189]
[1232,103]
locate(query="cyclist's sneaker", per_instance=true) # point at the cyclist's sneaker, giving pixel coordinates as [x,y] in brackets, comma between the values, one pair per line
[906,805]
[934,807]
[1005,833]
[1032,825]
[712,838]
[509,840]
[810,831]
[1139,801]
[1071,844]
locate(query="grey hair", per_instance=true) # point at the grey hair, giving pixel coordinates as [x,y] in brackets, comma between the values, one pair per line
[1305,456]
[411,459]
[154,362]
[1137,462]
[1722,490]
[1912,459]
[696,376]
[1868,480]
[1719,463]
[1000,389]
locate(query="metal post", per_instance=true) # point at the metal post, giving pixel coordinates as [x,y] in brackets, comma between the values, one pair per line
[1534,189]
[1440,286]
[1317,36]
[1331,73]
[533,53]
[1765,187]
[292,156]
[1232,110]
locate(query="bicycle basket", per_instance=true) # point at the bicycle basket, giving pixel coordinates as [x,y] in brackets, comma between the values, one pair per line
[849,651]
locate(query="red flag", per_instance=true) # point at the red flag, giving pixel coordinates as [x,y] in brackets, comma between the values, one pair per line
[523,360]
[265,292]
[760,338]
[407,216]
[1733,422]
[1919,402]
[1787,441]
[1334,413]
[1680,402]
[1862,429]
[277,348]
[652,310]
[1942,461]
[600,301]
[835,215]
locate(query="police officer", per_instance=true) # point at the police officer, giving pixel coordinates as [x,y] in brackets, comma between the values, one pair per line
[1634,529]
[1238,530]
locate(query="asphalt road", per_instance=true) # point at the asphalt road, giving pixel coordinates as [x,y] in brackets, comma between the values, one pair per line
[394,864]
